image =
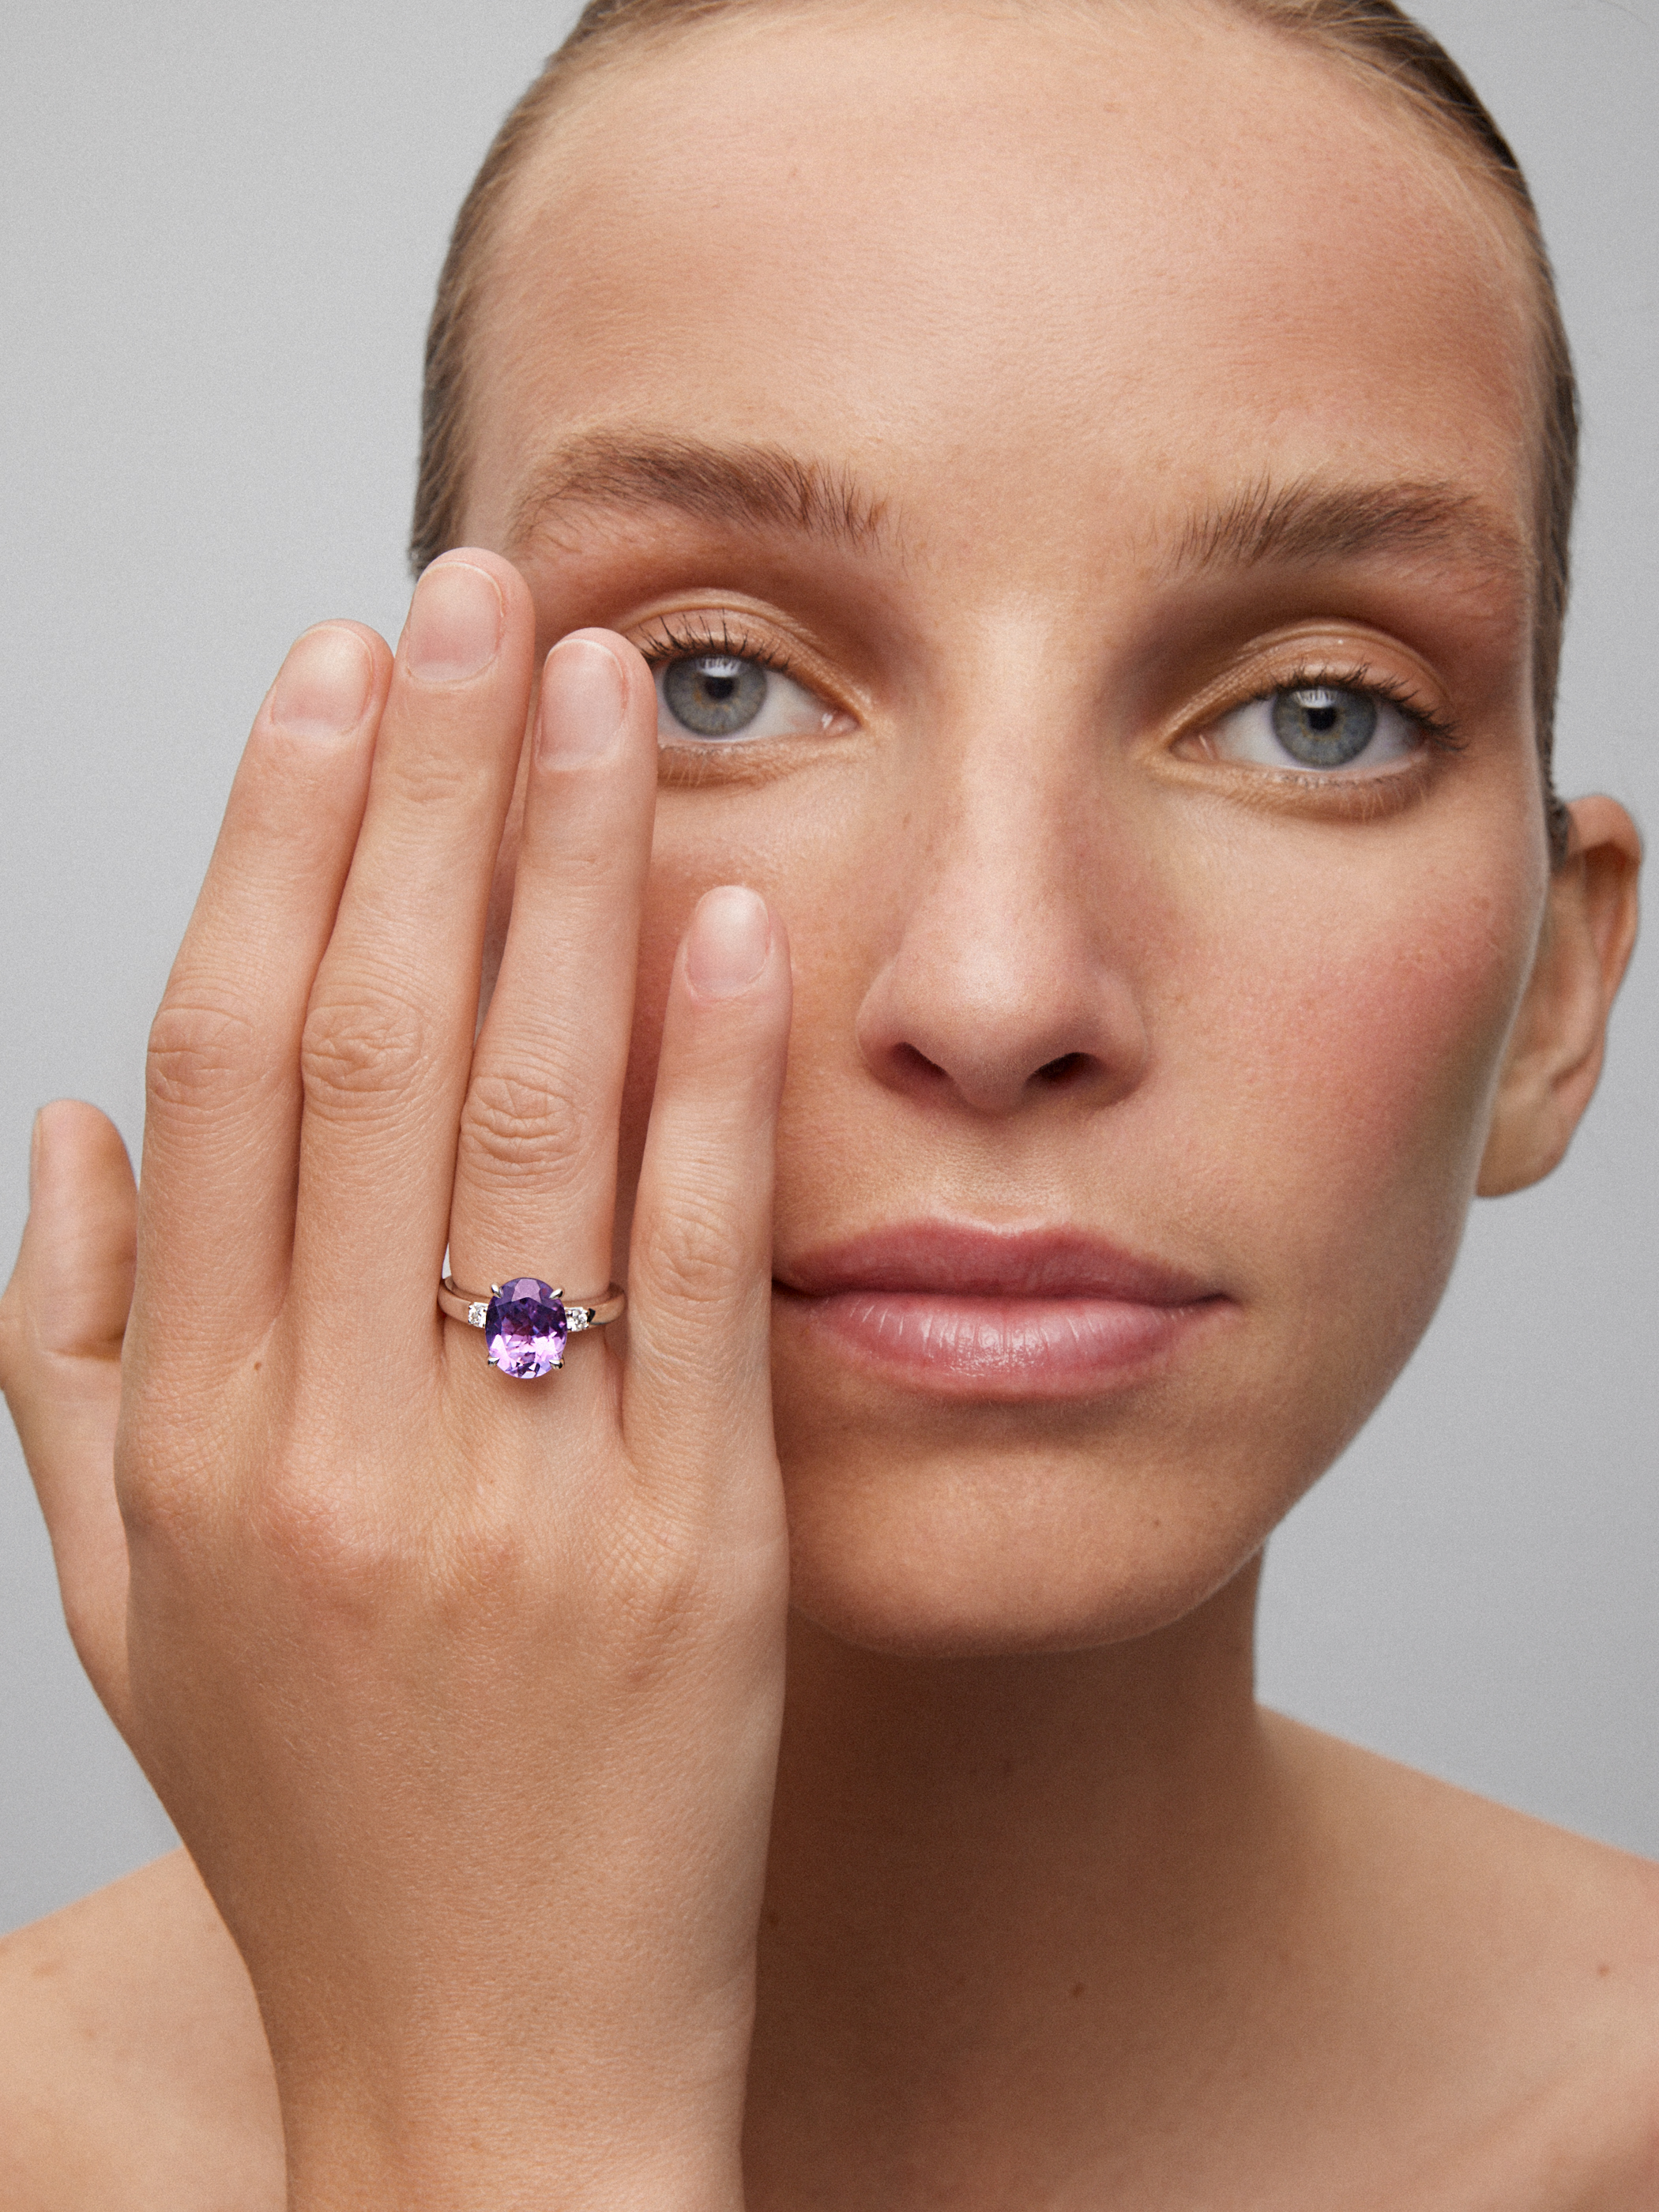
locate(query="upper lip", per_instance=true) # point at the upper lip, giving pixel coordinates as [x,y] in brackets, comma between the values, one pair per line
[968,1260]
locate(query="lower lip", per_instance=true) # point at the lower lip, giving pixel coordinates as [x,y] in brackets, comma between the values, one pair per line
[1005,1348]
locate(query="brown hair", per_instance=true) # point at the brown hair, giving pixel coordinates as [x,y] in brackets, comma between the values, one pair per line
[1373,38]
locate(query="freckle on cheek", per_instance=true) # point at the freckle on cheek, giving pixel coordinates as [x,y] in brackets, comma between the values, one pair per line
[1402,1057]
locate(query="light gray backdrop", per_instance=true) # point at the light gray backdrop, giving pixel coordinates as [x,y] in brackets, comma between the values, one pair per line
[225,223]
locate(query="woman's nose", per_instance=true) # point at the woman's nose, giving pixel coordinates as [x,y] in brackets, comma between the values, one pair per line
[1005,981]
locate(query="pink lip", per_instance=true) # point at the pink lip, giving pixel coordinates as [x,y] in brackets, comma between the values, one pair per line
[971,1312]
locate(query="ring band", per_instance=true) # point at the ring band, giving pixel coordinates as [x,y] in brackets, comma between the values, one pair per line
[527,1321]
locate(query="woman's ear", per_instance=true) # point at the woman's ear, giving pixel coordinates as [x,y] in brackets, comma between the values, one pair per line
[1556,1046]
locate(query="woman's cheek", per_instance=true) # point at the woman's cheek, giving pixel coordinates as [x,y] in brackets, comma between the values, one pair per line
[1362,1056]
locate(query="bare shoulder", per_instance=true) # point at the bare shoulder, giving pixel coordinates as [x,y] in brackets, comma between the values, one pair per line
[1522,1962]
[133,2068]
[1587,2143]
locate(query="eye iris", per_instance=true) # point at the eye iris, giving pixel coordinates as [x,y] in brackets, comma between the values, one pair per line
[715,695]
[1323,727]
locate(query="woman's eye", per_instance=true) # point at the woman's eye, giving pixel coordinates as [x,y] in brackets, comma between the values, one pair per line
[711,695]
[1317,726]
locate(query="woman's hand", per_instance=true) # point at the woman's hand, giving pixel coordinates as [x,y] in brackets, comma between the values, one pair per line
[464,1691]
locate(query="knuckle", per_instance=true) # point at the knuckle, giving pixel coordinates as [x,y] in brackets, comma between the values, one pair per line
[14,1345]
[515,1129]
[325,1532]
[357,1047]
[683,1598]
[203,1049]
[690,1249]
[439,773]
[660,1598]
[332,1515]
[159,1477]
[353,1553]
[479,1567]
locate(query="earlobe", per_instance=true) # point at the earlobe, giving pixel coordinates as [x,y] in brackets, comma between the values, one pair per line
[1556,1047]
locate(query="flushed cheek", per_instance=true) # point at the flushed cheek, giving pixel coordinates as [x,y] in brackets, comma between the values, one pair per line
[1353,1048]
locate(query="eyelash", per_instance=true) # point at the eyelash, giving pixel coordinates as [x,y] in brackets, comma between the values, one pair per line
[1437,731]
[662,641]
[670,637]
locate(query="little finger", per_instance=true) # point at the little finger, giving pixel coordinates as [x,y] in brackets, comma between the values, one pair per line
[698,1393]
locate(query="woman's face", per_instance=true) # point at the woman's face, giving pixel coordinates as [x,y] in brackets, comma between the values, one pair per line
[1091,465]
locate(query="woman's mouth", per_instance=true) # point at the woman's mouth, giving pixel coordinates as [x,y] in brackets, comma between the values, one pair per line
[971,1312]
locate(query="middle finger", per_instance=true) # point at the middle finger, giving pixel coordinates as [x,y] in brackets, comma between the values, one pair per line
[389,1030]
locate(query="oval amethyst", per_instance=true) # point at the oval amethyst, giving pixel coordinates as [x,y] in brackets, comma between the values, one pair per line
[525,1328]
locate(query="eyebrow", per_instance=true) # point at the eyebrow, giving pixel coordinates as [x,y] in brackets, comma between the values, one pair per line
[758,486]
[751,486]
[1302,522]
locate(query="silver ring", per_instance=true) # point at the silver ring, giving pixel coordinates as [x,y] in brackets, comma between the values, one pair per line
[527,1321]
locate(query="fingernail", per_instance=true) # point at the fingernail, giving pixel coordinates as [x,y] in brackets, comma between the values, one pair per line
[726,946]
[455,623]
[322,688]
[582,710]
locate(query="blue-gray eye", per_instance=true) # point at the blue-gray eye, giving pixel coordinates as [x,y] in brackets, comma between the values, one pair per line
[713,695]
[1323,726]
[1335,729]
[733,698]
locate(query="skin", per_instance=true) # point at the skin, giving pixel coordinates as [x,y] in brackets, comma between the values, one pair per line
[477,1764]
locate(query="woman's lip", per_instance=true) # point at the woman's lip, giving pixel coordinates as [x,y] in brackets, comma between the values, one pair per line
[965,1260]
[966,1313]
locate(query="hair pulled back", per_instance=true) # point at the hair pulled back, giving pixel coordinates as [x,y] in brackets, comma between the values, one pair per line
[1374,39]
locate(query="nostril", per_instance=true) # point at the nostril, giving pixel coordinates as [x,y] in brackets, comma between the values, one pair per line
[1061,1071]
[917,1063]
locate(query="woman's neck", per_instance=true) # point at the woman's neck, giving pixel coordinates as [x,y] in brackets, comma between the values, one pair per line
[1004,1895]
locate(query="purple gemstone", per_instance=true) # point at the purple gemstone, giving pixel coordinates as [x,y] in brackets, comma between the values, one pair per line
[525,1328]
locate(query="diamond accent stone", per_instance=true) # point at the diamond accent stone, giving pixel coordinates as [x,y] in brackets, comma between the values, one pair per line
[478,1312]
[526,1327]
[577,1318]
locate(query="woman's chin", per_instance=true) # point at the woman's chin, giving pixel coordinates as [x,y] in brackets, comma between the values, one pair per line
[959,1520]
[982,1559]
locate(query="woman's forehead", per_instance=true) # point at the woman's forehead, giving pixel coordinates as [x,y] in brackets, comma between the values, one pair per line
[1000,263]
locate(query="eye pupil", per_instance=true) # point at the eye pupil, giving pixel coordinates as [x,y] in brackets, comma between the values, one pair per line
[715,695]
[1322,727]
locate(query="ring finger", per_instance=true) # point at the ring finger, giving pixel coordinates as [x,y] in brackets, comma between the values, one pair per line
[536,1168]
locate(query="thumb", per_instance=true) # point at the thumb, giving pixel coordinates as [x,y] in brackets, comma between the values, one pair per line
[62,1320]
